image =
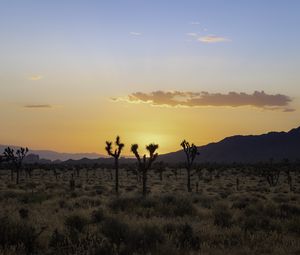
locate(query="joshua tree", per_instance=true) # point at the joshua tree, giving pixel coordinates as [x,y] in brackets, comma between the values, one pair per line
[270,172]
[16,158]
[191,152]
[286,165]
[72,182]
[175,172]
[160,168]
[116,154]
[145,163]
[237,183]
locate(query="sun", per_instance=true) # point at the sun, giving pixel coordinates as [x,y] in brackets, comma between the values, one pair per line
[145,138]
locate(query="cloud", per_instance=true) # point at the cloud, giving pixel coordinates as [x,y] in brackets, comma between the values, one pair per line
[201,99]
[38,106]
[212,39]
[289,110]
[195,23]
[192,34]
[135,33]
[35,77]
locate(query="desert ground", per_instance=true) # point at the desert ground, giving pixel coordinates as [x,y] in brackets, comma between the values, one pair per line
[75,210]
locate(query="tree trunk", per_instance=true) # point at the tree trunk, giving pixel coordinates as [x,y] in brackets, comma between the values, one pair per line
[12,174]
[117,176]
[18,176]
[144,183]
[189,180]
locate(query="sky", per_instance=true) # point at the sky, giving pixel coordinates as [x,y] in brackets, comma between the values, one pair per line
[74,74]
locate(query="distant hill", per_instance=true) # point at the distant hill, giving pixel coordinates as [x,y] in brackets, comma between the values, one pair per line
[247,149]
[53,155]
[239,149]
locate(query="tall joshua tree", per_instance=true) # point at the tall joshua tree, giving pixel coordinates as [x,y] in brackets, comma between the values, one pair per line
[116,155]
[145,163]
[16,158]
[191,152]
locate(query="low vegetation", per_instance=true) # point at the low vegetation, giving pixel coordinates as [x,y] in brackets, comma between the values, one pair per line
[44,214]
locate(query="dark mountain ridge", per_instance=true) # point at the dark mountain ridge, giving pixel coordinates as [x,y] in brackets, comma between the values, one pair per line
[234,149]
[53,155]
[247,149]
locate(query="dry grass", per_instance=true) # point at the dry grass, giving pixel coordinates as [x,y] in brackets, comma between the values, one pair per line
[43,216]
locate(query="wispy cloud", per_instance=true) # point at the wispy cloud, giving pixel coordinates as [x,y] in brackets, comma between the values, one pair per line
[212,39]
[259,99]
[207,38]
[193,34]
[38,106]
[35,77]
[135,33]
[195,23]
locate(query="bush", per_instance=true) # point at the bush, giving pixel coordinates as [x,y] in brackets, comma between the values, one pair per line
[58,240]
[145,239]
[257,222]
[222,216]
[115,230]
[23,213]
[166,206]
[76,223]
[182,235]
[97,216]
[171,206]
[18,234]
[36,198]
[287,210]
[293,226]
[127,204]
[104,248]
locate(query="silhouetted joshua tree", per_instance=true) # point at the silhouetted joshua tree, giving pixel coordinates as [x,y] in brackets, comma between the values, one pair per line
[145,163]
[16,158]
[191,152]
[271,172]
[160,168]
[286,166]
[72,183]
[116,155]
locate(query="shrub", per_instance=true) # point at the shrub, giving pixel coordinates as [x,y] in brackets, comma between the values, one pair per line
[115,230]
[58,240]
[293,226]
[172,206]
[97,216]
[36,198]
[125,203]
[75,223]
[222,216]
[166,206]
[145,239]
[257,222]
[287,210]
[18,234]
[104,247]
[23,213]
[182,235]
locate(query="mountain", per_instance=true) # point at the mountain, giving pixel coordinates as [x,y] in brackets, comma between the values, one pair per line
[53,155]
[246,149]
[239,149]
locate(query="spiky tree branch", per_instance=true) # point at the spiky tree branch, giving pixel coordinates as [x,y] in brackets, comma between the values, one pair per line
[144,163]
[16,158]
[115,153]
[191,151]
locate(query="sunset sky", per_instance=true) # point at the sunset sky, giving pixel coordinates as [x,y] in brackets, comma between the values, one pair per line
[76,73]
